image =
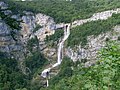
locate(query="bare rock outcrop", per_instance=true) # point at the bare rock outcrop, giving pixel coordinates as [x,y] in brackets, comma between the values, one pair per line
[89,53]
[8,44]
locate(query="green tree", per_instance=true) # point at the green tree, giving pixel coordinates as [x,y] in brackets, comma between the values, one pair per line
[104,75]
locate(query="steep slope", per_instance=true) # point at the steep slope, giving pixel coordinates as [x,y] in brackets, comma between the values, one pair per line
[34,42]
[102,76]
[18,50]
[65,11]
[89,55]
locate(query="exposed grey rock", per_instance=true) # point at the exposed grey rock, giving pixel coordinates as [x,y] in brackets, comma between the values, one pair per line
[30,21]
[3,5]
[7,38]
[27,25]
[4,49]
[42,19]
[15,47]
[42,47]
[59,26]
[42,43]
[28,13]
[90,51]
[4,30]
[97,16]
[7,12]
[17,17]
[7,43]
[48,25]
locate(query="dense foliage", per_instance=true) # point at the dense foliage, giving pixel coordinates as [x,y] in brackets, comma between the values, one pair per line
[13,23]
[11,77]
[37,28]
[65,71]
[65,11]
[52,40]
[35,63]
[33,44]
[36,60]
[95,28]
[104,75]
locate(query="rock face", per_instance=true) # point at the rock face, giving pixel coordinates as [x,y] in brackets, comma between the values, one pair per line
[8,45]
[48,27]
[97,16]
[89,53]
[3,5]
[42,20]
[4,37]
[28,24]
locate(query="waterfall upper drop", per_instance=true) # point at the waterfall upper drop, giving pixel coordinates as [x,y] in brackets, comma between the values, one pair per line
[45,72]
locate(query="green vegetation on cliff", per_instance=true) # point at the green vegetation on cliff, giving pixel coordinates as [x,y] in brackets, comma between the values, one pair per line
[65,11]
[13,23]
[11,77]
[52,40]
[65,71]
[95,28]
[104,75]
[36,60]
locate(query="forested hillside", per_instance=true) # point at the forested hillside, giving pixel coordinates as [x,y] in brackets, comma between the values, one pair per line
[102,76]
[62,54]
[11,75]
[65,11]
[92,28]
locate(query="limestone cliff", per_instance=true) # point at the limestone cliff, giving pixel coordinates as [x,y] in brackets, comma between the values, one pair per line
[16,46]
[89,52]
[14,42]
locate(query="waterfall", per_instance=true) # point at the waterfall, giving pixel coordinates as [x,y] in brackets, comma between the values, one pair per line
[97,16]
[45,72]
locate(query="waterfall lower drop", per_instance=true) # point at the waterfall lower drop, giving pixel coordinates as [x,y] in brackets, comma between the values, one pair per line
[45,72]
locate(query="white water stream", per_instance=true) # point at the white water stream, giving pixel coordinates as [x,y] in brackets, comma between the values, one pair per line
[59,54]
[97,16]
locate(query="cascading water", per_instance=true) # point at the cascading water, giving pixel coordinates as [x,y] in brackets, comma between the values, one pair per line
[59,54]
[97,16]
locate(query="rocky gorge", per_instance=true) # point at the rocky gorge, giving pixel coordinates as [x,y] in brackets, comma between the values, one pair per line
[40,26]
